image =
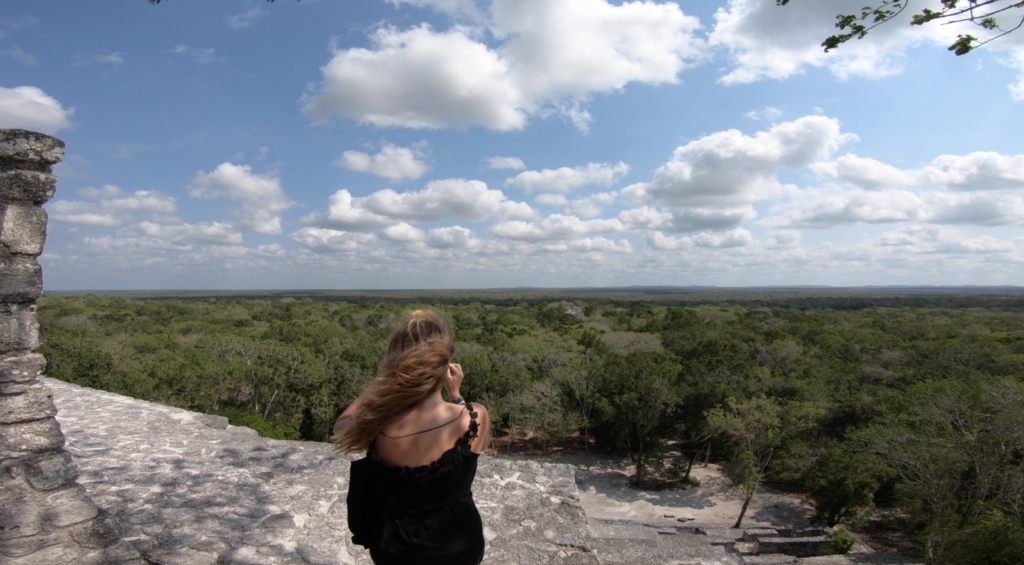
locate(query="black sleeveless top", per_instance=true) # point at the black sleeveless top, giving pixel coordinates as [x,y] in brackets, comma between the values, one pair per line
[418,514]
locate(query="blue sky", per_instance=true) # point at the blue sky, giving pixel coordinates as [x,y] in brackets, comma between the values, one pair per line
[241,144]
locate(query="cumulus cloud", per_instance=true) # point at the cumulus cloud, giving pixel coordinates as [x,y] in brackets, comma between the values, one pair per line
[828,207]
[404,233]
[451,237]
[565,179]
[865,173]
[680,220]
[28,107]
[749,31]
[935,239]
[392,162]
[261,197]
[730,168]
[982,170]
[554,54]
[514,163]
[183,234]
[440,200]
[109,207]
[738,237]
[325,240]
[554,228]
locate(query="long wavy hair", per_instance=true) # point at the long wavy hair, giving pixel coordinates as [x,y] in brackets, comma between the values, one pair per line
[414,368]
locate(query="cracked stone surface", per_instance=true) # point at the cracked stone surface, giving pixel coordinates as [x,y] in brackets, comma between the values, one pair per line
[186,490]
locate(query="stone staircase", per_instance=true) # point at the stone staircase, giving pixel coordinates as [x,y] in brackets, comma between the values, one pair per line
[188,489]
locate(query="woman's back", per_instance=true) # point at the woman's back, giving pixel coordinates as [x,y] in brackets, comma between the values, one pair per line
[422,435]
[415,507]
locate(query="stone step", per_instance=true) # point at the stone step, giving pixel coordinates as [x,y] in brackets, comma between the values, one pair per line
[661,551]
[861,559]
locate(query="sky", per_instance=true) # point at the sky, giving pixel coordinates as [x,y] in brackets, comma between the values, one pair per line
[397,144]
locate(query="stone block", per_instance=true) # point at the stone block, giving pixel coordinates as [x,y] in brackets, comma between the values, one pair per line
[13,483]
[754,534]
[21,279]
[27,186]
[20,518]
[21,368]
[68,506]
[213,421]
[28,149]
[23,228]
[19,440]
[103,531]
[22,547]
[799,547]
[51,470]
[35,404]
[19,328]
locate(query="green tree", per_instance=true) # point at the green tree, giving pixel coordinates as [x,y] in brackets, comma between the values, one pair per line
[756,428]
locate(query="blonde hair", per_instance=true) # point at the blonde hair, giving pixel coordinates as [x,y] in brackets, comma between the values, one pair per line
[414,367]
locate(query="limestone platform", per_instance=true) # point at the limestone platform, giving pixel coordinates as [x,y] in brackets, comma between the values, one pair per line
[189,489]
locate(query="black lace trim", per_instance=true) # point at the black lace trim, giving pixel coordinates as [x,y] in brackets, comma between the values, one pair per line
[450,459]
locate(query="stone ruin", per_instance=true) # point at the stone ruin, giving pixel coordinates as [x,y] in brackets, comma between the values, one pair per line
[45,515]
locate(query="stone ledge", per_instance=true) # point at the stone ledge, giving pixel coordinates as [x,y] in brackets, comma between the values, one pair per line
[32,148]
[35,404]
[21,280]
[23,228]
[27,186]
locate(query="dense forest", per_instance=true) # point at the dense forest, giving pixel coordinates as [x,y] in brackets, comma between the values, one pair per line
[912,403]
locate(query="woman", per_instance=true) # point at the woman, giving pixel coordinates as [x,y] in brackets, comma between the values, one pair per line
[409,499]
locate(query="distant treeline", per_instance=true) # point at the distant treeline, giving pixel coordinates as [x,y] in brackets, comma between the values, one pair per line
[913,401]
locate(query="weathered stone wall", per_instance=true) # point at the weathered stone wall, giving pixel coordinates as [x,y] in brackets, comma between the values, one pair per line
[45,515]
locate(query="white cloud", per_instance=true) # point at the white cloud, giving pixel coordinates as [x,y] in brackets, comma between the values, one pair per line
[451,237]
[565,179]
[865,173]
[679,220]
[28,107]
[440,200]
[934,239]
[18,54]
[749,30]
[246,19]
[324,240]
[554,55]
[514,163]
[198,54]
[828,207]
[784,238]
[738,237]
[728,168]
[404,233]
[554,228]
[982,170]
[184,234]
[111,206]
[347,212]
[552,199]
[392,162]
[261,196]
